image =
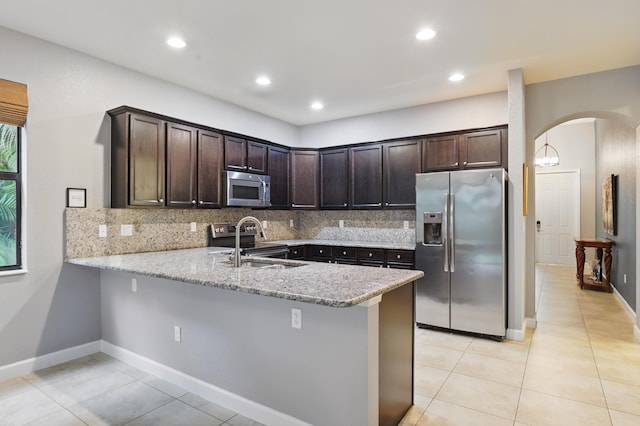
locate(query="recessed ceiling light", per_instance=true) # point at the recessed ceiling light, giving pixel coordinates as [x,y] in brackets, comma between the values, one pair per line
[425,34]
[263,80]
[456,77]
[317,105]
[176,42]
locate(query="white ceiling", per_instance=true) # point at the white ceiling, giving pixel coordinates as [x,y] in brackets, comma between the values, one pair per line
[357,56]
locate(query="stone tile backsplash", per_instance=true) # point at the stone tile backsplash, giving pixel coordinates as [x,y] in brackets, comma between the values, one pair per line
[170,229]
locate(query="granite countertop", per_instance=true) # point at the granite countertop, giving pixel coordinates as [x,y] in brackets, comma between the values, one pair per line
[310,282]
[340,243]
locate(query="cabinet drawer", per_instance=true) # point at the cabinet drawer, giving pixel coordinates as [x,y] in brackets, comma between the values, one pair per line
[399,256]
[320,251]
[371,254]
[345,253]
[375,264]
[397,265]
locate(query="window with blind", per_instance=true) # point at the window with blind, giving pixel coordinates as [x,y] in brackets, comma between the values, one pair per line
[10,191]
[13,116]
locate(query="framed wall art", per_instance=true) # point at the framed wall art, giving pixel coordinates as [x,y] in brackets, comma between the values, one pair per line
[609,201]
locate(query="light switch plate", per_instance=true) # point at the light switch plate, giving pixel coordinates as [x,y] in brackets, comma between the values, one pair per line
[264,224]
[126,230]
[341,223]
[296,318]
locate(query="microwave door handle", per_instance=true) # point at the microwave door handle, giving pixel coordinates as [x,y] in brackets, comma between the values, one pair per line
[264,191]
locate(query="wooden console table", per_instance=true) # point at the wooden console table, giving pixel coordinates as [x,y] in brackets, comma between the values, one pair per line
[603,281]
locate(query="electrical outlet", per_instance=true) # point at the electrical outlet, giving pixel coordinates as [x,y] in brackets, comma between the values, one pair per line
[177,333]
[296,318]
[126,230]
[102,231]
[406,224]
[290,223]
[341,223]
[264,224]
[194,227]
[134,285]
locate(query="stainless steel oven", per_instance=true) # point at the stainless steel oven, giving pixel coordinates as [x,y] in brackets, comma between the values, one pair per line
[246,189]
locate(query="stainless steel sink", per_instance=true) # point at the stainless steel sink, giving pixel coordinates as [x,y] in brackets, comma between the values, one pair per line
[268,264]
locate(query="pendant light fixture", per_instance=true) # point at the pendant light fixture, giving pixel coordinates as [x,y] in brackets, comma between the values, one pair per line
[546,155]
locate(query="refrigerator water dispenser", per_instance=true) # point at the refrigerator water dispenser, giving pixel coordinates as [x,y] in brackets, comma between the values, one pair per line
[433,228]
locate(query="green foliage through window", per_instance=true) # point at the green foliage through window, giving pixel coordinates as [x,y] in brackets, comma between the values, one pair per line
[9,197]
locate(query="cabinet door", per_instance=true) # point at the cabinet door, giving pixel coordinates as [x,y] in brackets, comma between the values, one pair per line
[181,165]
[146,161]
[279,172]
[401,163]
[235,153]
[481,149]
[304,179]
[366,177]
[440,153]
[257,157]
[210,153]
[334,188]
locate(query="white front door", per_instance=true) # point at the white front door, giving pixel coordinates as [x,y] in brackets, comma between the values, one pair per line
[557,216]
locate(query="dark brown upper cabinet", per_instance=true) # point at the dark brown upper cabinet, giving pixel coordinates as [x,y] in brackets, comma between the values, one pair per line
[137,160]
[440,153]
[304,179]
[279,172]
[334,179]
[400,165]
[365,176]
[210,165]
[245,155]
[483,149]
[181,165]
[465,150]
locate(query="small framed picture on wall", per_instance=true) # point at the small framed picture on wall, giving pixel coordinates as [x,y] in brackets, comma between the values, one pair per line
[609,204]
[76,197]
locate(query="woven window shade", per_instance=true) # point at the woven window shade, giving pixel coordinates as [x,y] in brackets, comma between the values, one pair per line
[14,103]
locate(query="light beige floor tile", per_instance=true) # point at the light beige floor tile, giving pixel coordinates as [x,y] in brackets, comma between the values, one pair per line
[561,345]
[428,381]
[208,407]
[501,350]
[547,410]
[621,372]
[443,413]
[26,407]
[84,384]
[60,418]
[175,413]
[554,381]
[11,387]
[565,332]
[619,418]
[413,415]
[481,395]
[164,386]
[549,357]
[615,349]
[120,405]
[496,370]
[622,397]
[446,340]
[437,357]
[239,420]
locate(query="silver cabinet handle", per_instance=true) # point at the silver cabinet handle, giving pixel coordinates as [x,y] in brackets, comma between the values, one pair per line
[398,257]
[370,254]
[344,205]
[379,204]
[320,251]
[193,201]
[161,200]
[201,202]
[344,253]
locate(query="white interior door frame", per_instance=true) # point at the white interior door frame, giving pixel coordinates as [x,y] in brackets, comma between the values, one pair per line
[574,174]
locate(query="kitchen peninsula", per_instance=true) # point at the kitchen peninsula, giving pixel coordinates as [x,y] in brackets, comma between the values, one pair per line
[227,333]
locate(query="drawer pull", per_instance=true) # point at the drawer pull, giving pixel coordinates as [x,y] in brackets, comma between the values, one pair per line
[344,253]
[370,254]
[398,257]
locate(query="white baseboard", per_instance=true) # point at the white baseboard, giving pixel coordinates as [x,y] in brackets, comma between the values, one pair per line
[30,365]
[636,332]
[248,408]
[517,334]
[624,304]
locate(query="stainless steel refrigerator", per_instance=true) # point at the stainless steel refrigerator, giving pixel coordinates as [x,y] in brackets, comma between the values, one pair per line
[461,246]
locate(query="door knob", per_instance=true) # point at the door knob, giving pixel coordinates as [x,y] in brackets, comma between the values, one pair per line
[538,226]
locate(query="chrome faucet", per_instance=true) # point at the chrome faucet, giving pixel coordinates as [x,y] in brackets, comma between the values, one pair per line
[237,261]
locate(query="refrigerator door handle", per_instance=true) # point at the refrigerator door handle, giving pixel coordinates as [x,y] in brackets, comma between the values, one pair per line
[445,227]
[452,209]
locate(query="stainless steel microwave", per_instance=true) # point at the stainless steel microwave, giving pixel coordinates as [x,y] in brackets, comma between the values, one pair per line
[246,189]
